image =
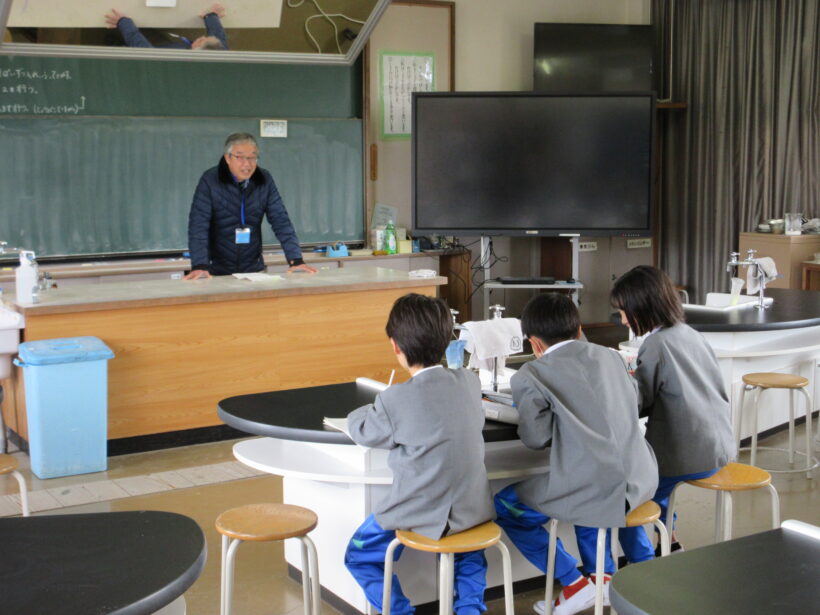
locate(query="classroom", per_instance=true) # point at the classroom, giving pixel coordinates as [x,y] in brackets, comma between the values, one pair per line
[319,275]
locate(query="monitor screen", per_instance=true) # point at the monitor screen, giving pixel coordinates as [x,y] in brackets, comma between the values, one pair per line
[522,163]
[593,58]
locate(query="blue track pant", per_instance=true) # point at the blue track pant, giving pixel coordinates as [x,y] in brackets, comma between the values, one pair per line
[364,559]
[666,484]
[525,527]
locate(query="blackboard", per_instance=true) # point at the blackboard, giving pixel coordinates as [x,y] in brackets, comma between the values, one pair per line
[118,175]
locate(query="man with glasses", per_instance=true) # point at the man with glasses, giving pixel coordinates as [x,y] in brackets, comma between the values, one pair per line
[225,223]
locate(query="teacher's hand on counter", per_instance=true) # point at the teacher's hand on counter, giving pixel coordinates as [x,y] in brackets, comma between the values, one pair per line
[197,274]
[303,268]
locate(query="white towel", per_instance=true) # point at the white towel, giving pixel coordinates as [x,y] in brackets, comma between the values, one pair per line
[488,339]
[752,279]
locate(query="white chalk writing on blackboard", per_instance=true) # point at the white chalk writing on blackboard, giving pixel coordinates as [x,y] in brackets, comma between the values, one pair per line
[26,83]
[45,75]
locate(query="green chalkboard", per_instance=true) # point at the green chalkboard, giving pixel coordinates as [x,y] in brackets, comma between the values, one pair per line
[118,175]
[82,86]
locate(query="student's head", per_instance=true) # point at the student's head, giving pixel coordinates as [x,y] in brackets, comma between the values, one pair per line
[421,327]
[550,318]
[208,42]
[647,299]
[241,154]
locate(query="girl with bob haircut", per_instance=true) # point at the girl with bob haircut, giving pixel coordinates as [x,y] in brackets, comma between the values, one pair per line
[680,385]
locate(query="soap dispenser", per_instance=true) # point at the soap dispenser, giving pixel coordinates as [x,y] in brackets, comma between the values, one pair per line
[25,277]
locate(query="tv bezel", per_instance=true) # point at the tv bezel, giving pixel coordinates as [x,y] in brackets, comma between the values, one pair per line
[644,231]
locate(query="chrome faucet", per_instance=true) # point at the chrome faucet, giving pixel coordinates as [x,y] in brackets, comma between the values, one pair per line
[759,274]
[496,311]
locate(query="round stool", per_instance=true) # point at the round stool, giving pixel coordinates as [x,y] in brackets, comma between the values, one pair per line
[8,465]
[761,382]
[477,538]
[263,523]
[648,512]
[731,477]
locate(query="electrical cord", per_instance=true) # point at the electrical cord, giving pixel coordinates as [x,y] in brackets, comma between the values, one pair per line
[322,15]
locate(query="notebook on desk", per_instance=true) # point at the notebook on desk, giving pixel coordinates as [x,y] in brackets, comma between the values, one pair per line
[498,407]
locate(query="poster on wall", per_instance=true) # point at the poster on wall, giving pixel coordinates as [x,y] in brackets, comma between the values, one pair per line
[401,74]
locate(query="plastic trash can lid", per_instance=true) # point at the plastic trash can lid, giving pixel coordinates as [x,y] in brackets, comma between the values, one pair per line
[64,350]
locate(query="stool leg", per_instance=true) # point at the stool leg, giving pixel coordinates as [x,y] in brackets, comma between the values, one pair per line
[305,578]
[552,529]
[718,516]
[727,515]
[809,451]
[737,419]
[228,582]
[315,586]
[388,575]
[223,575]
[775,506]
[506,567]
[665,542]
[600,548]
[447,589]
[670,510]
[791,426]
[615,547]
[21,481]
[758,395]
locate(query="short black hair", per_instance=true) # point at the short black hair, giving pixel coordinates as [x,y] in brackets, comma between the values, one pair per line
[551,317]
[422,328]
[648,299]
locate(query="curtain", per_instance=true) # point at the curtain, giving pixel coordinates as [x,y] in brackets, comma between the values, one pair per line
[747,147]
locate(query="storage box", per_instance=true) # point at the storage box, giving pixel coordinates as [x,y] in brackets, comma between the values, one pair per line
[66,383]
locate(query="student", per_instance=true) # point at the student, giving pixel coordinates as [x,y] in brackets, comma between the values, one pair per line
[432,425]
[680,384]
[578,398]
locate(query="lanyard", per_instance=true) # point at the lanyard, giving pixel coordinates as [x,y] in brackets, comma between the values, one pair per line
[242,210]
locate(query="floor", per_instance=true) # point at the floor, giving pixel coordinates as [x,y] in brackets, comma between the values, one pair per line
[215,483]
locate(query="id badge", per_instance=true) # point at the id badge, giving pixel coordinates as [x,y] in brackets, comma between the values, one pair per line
[243,235]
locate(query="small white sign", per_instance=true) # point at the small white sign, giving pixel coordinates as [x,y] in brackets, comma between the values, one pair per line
[633,244]
[166,4]
[273,128]
[382,214]
[588,246]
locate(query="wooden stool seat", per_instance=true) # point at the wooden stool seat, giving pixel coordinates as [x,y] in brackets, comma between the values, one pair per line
[648,512]
[735,477]
[7,464]
[268,522]
[475,539]
[264,522]
[773,380]
[731,477]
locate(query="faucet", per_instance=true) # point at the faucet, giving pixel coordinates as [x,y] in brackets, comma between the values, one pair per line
[497,312]
[759,274]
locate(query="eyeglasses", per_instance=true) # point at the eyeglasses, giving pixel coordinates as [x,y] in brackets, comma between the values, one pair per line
[251,159]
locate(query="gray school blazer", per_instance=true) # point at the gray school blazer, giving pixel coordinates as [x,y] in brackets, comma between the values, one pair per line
[432,425]
[581,400]
[683,395]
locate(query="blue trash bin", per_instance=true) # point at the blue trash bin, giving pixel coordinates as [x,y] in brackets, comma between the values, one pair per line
[66,383]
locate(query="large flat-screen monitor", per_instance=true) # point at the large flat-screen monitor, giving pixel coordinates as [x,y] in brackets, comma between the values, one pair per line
[570,57]
[523,163]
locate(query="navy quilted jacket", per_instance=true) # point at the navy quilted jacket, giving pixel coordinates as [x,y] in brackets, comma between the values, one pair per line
[215,216]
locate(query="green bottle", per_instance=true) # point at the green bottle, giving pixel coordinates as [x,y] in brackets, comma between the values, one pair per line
[390,238]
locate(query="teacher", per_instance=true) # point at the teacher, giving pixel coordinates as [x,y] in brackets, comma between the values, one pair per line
[225,223]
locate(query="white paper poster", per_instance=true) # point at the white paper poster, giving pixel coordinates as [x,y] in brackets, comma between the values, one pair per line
[401,75]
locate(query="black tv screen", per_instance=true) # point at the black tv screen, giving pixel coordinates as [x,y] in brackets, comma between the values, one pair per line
[593,58]
[523,163]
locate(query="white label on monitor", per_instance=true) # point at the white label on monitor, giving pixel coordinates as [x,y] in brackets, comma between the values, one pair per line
[273,128]
[531,232]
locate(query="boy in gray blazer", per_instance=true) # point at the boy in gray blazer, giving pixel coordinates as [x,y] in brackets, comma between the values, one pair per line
[578,399]
[432,425]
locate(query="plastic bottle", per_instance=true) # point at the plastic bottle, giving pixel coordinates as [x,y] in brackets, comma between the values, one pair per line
[25,277]
[390,242]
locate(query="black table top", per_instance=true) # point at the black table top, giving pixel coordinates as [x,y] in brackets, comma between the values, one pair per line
[762,574]
[297,414]
[792,309]
[128,563]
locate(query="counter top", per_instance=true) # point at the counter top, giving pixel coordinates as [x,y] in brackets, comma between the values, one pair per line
[792,309]
[121,295]
[298,414]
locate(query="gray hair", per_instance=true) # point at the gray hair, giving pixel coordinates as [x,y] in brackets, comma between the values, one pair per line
[239,137]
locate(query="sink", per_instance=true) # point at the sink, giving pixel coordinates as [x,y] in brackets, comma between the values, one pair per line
[721,302]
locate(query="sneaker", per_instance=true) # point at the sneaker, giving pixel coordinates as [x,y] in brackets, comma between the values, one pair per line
[607,579]
[581,600]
